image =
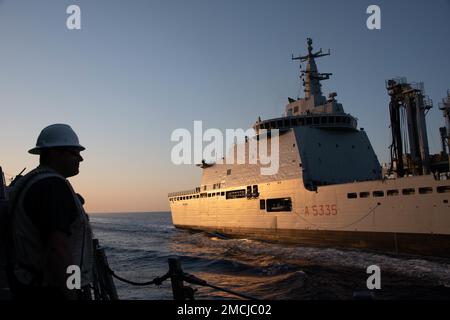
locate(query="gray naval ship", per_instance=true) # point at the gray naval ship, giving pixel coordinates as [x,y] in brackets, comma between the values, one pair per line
[330,189]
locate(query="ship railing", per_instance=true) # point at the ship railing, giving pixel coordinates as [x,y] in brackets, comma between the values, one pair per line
[344,121]
[177,278]
[184,193]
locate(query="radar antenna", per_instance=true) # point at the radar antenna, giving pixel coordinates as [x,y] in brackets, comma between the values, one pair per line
[310,76]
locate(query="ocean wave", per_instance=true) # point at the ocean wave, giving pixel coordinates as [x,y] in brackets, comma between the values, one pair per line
[140,246]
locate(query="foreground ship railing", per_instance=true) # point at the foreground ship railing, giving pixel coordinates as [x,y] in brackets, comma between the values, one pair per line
[177,276]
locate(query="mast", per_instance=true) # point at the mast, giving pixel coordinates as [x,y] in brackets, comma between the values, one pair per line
[311,77]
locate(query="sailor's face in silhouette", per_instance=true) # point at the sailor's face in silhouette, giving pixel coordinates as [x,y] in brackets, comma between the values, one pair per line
[66,161]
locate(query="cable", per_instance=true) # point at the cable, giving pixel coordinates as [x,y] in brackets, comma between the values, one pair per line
[157,281]
[194,280]
[186,277]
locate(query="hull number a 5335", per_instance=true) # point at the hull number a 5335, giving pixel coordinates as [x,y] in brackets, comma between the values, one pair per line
[320,210]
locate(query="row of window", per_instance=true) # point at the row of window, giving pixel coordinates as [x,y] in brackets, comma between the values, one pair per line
[232,194]
[252,192]
[197,196]
[311,120]
[395,192]
[270,205]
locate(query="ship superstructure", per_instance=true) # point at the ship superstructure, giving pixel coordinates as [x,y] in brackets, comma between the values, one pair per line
[329,189]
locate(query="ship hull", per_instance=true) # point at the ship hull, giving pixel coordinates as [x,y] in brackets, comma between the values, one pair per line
[397,243]
[417,223]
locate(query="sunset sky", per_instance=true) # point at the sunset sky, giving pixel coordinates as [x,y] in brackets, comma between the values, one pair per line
[137,70]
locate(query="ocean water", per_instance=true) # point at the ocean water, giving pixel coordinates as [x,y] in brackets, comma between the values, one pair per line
[139,244]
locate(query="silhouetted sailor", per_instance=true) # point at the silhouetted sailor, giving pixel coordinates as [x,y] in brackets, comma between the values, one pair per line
[50,229]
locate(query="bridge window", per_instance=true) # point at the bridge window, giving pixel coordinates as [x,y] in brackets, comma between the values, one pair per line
[228,172]
[443,189]
[425,190]
[316,120]
[391,193]
[352,195]
[364,194]
[279,205]
[378,194]
[408,191]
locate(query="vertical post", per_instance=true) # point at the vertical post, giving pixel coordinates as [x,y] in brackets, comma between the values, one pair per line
[109,282]
[105,288]
[3,193]
[424,151]
[4,219]
[176,277]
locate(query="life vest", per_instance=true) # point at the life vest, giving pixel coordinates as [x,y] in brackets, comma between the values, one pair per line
[29,252]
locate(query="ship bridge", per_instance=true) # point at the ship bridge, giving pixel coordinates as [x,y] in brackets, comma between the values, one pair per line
[314,110]
[325,121]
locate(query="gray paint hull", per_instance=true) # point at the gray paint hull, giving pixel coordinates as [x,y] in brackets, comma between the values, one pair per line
[389,242]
